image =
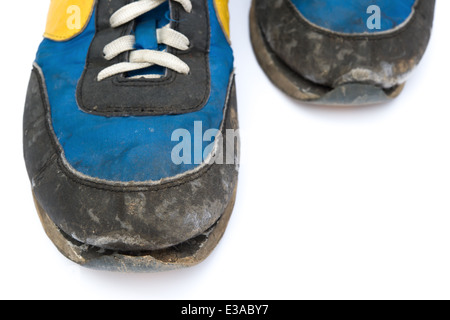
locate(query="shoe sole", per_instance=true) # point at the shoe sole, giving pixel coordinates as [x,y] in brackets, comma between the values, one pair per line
[186,254]
[299,88]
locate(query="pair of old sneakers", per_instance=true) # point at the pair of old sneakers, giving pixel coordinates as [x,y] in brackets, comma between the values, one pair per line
[130,126]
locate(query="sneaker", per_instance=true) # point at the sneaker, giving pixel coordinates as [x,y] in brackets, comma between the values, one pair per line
[128,108]
[353,52]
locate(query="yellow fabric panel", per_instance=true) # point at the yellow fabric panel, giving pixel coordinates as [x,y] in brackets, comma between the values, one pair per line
[67,18]
[224,15]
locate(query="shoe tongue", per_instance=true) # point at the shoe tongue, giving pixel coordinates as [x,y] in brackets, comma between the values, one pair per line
[145,33]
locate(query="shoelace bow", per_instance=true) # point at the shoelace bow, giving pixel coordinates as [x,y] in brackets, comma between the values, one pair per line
[141,59]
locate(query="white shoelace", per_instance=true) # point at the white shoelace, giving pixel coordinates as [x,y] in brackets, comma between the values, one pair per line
[141,59]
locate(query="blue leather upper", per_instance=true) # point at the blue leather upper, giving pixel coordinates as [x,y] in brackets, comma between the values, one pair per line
[125,148]
[351,16]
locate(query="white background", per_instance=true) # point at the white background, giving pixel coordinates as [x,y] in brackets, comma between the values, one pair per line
[333,203]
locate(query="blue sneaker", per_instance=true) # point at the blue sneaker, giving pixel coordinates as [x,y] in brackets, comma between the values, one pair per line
[131,131]
[341,52]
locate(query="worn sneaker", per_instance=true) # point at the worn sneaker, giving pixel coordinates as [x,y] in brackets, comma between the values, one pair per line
[341,52]
[129,107]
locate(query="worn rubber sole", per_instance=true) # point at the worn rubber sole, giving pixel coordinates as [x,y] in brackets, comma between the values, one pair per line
[184,255]
[300,88]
